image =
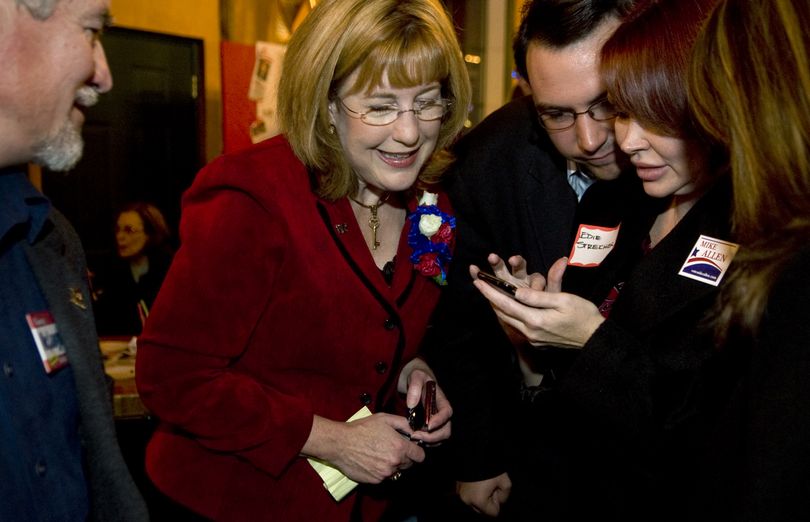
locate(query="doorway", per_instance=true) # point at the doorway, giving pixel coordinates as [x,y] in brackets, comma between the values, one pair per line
[144,140]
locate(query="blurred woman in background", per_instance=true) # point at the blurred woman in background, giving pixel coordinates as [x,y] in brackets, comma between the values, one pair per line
[126,287]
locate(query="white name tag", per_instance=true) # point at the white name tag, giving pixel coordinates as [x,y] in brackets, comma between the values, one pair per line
[709,260]
[49,342]
[592,245]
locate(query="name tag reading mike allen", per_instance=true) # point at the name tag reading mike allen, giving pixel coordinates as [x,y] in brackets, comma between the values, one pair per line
[49,342]
[709,260]
[592,245]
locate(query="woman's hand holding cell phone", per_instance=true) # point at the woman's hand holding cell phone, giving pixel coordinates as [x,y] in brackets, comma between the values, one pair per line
[501,284]
[506,278]
[542,314]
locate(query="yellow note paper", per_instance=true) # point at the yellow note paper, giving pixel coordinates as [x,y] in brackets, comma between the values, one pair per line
[338,484]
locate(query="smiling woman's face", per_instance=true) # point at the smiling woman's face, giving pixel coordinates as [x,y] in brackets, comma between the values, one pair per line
[387,158]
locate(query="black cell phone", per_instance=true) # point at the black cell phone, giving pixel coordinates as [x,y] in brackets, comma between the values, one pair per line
[497,282]
[419,416]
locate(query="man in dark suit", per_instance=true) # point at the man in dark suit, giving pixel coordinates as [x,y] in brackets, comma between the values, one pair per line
[515,188]
[58,453]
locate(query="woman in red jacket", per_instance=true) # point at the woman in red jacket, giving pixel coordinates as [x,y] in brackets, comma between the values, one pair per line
[309,266]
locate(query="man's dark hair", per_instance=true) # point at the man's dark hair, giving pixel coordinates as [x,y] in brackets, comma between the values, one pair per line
[560,23]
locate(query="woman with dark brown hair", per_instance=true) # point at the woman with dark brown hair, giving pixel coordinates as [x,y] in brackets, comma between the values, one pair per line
[631,408]
[750,84]
[125,288]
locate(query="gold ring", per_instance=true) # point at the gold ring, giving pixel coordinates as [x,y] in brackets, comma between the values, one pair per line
[396,476]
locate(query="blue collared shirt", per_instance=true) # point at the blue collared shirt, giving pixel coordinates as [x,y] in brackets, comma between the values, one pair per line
[40,450]
[578,180]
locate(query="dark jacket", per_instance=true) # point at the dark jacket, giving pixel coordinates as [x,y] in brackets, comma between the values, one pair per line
[511,196]
[58,262]
[118,295]
[758,464]
[633,403]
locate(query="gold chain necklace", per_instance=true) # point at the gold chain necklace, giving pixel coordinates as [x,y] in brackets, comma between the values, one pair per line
[373,220]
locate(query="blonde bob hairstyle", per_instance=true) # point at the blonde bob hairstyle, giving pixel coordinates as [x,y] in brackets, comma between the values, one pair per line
[412,41]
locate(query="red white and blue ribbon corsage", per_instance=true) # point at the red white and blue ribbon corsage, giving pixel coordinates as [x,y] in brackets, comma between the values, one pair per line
[431,236]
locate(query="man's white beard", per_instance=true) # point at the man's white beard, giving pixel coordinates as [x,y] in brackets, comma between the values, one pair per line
[63,150]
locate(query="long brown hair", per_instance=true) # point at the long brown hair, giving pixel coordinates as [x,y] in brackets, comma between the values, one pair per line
[750,89]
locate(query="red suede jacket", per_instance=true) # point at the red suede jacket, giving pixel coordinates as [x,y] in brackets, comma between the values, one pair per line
[273,311]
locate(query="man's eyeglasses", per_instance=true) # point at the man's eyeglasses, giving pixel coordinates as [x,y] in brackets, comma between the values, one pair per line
[556,119]
[428,110]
